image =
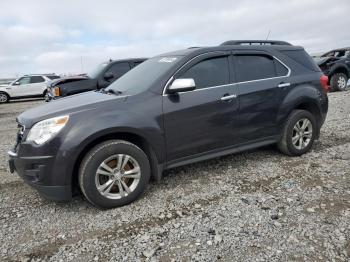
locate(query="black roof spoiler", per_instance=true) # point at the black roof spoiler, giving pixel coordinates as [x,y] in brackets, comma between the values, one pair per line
[255,42]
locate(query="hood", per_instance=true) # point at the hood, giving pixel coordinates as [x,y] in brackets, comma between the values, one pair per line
[69,79]
[3,86]
[68,105]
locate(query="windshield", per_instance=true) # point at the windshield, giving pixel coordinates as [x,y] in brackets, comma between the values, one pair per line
[143,76]
[97,70]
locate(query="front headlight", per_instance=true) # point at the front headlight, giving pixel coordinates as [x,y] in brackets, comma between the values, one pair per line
[56,91]
[44,130]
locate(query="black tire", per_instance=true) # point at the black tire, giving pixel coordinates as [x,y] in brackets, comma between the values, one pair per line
[45,95]
[285,143]
[337,82]
[99,154]
[4,97]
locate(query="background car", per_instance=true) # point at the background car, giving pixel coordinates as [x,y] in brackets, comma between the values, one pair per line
[26,86]
[336,65]
[101,77]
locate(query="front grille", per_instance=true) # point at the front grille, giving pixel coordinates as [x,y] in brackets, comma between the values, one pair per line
[19,138]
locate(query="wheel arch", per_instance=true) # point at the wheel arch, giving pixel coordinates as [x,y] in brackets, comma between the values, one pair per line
[138,140]
[310,106]
[339,69]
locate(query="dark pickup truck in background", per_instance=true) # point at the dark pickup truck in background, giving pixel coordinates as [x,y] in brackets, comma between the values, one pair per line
[101,77]
[336,65]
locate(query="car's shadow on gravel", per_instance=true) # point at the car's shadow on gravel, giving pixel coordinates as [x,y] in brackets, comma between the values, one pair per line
[25,100]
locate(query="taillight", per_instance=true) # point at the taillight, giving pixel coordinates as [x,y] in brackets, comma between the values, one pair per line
[324,83]
[56,91]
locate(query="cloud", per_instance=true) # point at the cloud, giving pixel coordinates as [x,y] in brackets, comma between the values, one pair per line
[47,36]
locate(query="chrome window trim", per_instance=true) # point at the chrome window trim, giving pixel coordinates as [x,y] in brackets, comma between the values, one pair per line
[230,84]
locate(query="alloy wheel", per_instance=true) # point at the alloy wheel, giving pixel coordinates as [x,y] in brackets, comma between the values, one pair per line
[117,176]
[3,98]
[341,82]
[302,133]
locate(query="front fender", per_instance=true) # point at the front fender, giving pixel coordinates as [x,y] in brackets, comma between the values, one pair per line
[107,123]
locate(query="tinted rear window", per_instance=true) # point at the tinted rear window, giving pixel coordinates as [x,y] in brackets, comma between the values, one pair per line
[302,58]
[36,79]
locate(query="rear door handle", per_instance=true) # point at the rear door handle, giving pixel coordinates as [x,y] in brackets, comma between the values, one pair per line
[228,97]
[284,84]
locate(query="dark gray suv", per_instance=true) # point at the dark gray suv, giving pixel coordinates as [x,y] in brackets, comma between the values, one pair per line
[172,110]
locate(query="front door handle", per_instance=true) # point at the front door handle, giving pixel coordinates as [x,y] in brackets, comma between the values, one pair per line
[284,84]
[228,97]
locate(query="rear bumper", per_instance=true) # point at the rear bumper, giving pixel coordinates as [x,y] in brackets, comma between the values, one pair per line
[34,171]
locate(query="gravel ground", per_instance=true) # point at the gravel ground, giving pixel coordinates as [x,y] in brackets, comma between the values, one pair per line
[256,206]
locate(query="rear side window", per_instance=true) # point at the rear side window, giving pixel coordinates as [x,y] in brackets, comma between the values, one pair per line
[254,67]
[53,77]
[119,69]
[36,79]
[302,58]
[209,72]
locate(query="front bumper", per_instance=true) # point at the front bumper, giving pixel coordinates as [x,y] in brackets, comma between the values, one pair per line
[34,170]
[49,97]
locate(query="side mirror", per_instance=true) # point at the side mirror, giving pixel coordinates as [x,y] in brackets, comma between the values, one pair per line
[16,83]
[108,76]
[182,85]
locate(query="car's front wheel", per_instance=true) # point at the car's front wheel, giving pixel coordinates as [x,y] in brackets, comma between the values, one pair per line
[4,98]
[114,173]
[339,82]
[298,133]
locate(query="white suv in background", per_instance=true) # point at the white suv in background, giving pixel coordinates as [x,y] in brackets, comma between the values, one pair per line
[25,87]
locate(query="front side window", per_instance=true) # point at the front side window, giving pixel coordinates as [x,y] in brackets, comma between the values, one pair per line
[23,80]
[254,67]
[36,79]
[97,70]
[209,72]
[119,69]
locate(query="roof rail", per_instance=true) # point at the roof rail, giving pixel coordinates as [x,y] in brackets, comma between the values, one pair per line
[255,42]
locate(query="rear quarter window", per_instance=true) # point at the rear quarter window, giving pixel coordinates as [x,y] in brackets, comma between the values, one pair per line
[302,58]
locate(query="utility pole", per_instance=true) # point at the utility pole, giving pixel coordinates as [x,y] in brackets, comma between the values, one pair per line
[81,64]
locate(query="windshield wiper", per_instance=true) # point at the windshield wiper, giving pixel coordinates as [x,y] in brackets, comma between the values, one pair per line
[111,91]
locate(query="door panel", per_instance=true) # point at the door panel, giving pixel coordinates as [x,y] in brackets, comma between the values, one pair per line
[20,89]
[200,121]
[258,109]
[258,77]
[37,85]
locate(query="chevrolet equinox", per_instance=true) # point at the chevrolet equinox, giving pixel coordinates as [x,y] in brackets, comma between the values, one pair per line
[174,109]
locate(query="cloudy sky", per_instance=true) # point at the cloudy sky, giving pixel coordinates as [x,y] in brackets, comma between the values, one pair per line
[71,36]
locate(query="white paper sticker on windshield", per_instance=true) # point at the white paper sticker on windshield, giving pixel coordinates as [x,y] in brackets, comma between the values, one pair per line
[167,59]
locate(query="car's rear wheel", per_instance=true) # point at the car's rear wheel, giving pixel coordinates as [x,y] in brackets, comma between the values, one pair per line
[114,173]
[339,82]
[4,98]
[298,133]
